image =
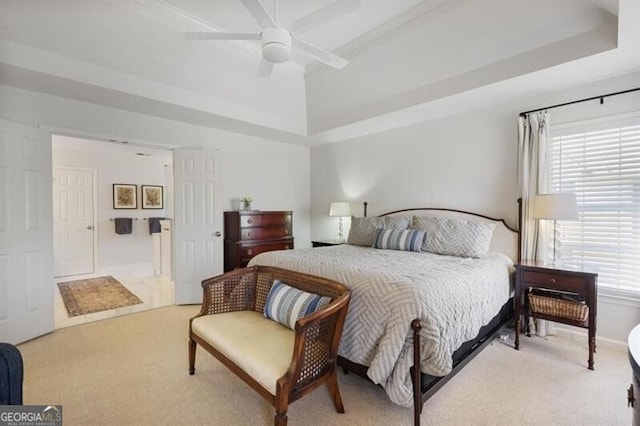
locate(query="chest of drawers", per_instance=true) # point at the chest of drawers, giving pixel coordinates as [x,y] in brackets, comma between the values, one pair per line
[248,233]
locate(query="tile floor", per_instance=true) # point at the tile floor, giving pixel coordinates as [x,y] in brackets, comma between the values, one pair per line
[152,290]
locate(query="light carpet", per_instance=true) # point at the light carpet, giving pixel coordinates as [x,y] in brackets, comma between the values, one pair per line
[90,295]
[132,370]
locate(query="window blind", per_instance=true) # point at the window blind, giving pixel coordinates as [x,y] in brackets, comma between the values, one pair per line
[600,163]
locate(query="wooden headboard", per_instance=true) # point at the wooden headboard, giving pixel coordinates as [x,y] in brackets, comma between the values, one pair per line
[505,238]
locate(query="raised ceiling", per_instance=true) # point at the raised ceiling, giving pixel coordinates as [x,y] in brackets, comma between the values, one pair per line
[410,61]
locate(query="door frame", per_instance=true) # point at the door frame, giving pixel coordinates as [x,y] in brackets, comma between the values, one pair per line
[94,187]
[59,131]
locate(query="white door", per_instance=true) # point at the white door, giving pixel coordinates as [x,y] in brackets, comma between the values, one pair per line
[197,222]
[26,233]
[73,222]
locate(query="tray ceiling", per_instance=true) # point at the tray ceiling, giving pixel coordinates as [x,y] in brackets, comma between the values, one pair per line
[410,60]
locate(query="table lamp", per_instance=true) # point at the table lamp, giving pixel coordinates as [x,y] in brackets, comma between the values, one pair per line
[340,209]
[555,207]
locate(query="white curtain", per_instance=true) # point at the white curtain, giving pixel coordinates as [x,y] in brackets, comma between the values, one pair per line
[533,133]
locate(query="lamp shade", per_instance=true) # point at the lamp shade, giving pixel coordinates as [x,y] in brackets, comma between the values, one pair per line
[555,206]
[340,209]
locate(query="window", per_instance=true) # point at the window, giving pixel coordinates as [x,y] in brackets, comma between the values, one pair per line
[599,161]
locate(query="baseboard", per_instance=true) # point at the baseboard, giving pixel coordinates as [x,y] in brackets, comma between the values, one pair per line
[140,268]
[580,337]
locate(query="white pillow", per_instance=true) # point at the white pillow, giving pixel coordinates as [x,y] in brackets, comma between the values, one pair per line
[455,237]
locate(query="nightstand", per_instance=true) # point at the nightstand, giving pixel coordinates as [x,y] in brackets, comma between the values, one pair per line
[561,305]
[327,243]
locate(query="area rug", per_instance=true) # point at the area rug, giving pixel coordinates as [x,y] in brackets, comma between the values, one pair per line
[94,295]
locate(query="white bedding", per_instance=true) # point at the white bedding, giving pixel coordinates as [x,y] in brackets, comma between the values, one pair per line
[453,296]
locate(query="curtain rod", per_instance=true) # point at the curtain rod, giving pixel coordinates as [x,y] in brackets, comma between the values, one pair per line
[601,97]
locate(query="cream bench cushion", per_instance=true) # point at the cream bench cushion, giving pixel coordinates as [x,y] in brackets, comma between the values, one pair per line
[261,347]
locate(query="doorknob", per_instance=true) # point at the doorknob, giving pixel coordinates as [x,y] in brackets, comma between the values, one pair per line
[217,234]
[89,227]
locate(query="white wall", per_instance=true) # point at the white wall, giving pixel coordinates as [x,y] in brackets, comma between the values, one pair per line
[275,174]
[464,162]
[118,164]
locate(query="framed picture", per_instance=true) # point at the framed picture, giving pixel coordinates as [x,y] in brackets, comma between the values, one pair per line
[125,196]
[152,197]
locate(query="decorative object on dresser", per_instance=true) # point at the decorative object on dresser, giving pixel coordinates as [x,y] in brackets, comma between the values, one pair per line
[245,203]
[556,294]
[248,233]
[555,207]
[326,243]
[340,209]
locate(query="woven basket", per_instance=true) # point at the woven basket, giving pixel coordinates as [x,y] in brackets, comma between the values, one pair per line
[559,308]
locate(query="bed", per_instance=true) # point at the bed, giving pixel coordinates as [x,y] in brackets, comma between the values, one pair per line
[413,308]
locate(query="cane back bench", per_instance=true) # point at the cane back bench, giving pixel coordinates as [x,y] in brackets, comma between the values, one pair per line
[279,363]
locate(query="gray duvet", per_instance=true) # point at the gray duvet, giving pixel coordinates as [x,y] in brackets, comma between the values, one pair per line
[453,297]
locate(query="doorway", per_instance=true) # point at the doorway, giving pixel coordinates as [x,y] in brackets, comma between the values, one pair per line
[87,244]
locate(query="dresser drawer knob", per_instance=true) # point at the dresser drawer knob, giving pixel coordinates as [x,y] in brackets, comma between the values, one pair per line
[249,221]
[250,234]
[286,231]
[552,280]
[286,247]
[249,252]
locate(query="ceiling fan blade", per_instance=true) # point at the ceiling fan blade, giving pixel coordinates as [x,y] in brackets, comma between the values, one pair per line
[259,13]
[323,15]
[221,36]
[265,68]
[321,55]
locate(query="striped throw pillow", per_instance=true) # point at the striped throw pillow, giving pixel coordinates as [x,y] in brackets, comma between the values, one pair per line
[286,304]
[393,239]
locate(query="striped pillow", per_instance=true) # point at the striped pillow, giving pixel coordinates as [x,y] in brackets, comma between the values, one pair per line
[286,304]
[406,239]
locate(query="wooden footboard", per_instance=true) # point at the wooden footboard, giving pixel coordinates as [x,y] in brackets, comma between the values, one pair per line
[422,390]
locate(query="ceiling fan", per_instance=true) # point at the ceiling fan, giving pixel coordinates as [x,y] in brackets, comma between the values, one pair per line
[277,41]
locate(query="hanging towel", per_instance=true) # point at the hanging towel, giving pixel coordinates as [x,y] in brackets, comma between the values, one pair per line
[123,225]
[154,225]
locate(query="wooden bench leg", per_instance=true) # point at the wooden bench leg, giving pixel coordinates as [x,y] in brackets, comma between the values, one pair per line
[280,419]
[192,357]
[281,403]
[332,383]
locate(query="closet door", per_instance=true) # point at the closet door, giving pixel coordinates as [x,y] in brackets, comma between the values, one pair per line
[26,233]
[197,222]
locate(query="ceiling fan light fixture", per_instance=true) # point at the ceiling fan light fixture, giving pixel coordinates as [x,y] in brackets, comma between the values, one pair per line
[276,45]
